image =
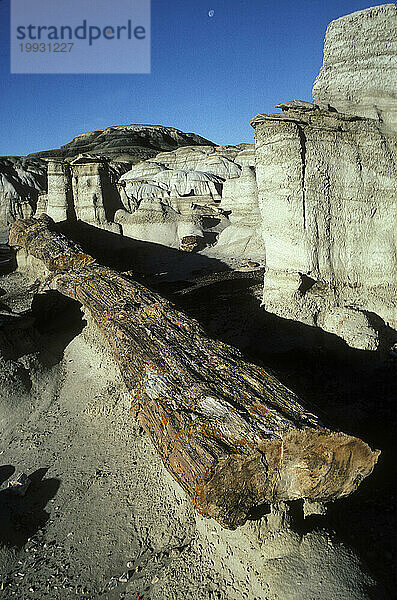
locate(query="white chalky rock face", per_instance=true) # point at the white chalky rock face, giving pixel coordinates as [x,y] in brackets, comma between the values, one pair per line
[209,191]
[152,216]
[246,157]
[219,160]
[221,166]
[184,159]
[240,197]
[21,181]
[328,202]
[142,170]
[359,72]
[169,198]
[240,201]
[189,183]
[141,189]
[351,325]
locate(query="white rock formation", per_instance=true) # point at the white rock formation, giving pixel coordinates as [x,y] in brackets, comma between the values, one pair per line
[327,195]
[142,170]
[174,198]
[59,191]
[215,159]
[189,192]
[21,181]
[219,165]
[88,190]
[153,222]
[190,183]
[240,200]
[246,156]
[359,73]
[133,191]
[83,189]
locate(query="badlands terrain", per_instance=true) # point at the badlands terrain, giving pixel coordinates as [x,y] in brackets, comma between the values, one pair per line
[284,249]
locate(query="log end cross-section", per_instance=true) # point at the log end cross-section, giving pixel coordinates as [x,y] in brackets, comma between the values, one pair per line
[320,466]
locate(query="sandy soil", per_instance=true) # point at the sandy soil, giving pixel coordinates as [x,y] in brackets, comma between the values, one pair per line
[102,518]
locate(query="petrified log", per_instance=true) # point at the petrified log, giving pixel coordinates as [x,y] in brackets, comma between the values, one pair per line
[40,239]
[228,431]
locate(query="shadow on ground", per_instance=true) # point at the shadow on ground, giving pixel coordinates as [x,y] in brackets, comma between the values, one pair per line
[127,254]
[22,516]
[351,390]
[58,320]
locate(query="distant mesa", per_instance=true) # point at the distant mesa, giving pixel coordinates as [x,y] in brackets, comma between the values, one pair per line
[126,143]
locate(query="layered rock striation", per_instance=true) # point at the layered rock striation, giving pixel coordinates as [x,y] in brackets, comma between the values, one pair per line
[176,198]
[126,143]
[184,199]
[328,202]
[359,72]
[24,179]
[21,181]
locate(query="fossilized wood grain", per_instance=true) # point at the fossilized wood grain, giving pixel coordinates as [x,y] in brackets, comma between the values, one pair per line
[228,431]
[39,238]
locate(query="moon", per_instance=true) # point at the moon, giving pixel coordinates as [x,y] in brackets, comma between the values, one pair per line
[211,13]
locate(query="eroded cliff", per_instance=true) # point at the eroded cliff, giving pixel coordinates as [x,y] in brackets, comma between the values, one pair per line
[359,73]
[328,204]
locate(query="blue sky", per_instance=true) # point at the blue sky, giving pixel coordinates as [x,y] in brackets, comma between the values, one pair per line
[209,75]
